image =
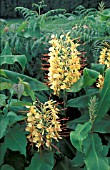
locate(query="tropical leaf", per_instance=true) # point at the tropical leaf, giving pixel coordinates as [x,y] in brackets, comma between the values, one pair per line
[95,153]
[77,86]
[104,102]
[80,102]
[4,121]
[102,126]
[90,76]
[5,85]
[11,59]
[14,77]
[80,134]
[42,162]
[2,152]
[15,139]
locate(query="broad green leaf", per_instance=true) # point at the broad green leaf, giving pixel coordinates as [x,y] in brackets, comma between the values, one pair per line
[5,85]
[102,126]
[13,117]
[44,161]
[15,139]
[90,76]
[7,167]
[81,132]
[65,164]
[14,77]
[98,67]
[11,59]
[77,86]
[104,102]
[2,100]
[78,160]
[95,154]
[82,119]
[4,121]
[6,50]
[81,101]
[2,152]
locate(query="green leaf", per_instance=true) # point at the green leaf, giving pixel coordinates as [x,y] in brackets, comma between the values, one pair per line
[13,117]
[4,121]
[11,59]
[77,86]
[81,132]
[7,167]
[5,85]
[65,164]
[104,102]
[78,160]
[98,67]
[14,77]
[2,100]
[6,50]
[95,154]
[90,76]
[44,161]
[2,152]
[80,102]
[102,126]
[15,139]
[82,119]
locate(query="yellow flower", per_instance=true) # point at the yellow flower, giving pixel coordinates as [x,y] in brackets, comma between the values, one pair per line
[104,57]
[100,81]
[64,62]
[43,125]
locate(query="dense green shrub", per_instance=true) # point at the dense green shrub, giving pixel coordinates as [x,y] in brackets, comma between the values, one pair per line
[8,6]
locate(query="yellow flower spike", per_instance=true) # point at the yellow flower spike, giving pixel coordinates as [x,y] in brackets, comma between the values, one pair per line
[64,62]
[104,57]
[43,125]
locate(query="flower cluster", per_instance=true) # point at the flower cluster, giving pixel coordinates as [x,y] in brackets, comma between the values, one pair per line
[104,58]
[64,63]
[100,82]
[43,124]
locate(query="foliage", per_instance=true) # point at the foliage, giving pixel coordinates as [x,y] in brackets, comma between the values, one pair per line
[30,126]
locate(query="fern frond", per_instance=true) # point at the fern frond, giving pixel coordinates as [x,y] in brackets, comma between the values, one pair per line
[27,13]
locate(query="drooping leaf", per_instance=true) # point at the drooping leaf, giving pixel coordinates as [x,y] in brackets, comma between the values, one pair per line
[2,152]
[98,67]
[42,162]
[65,164]
[14,77]
[95,153]
[11,59]
[81,132]
[78,160]
[90,76]
[13,117]
[5,85]
[77,86]
[6,50]
[80,102]
[2,100]
[82,119]
[3,125]
[102,126]
[104,102]
[7,167]
[15,139]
